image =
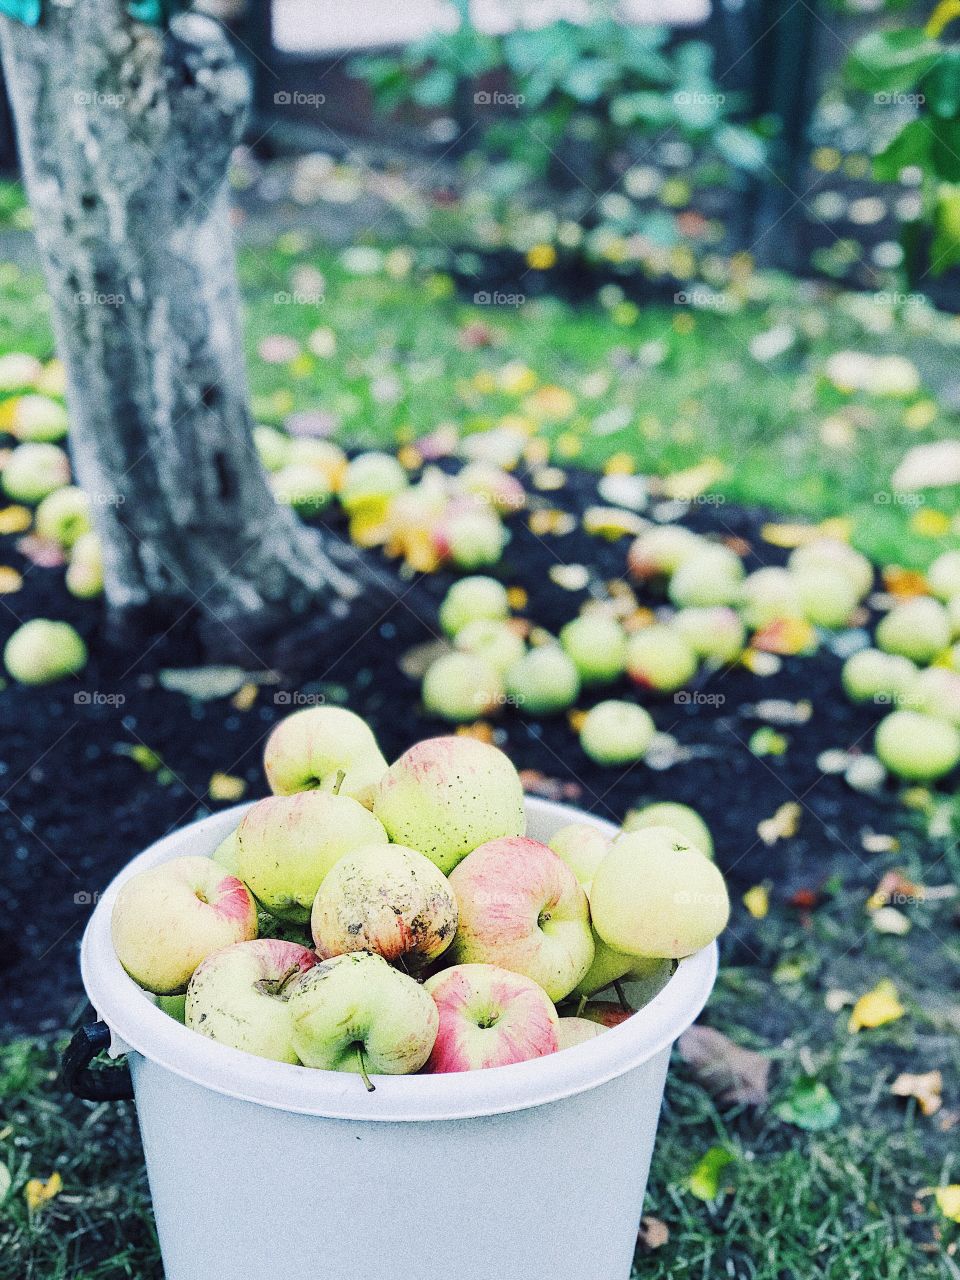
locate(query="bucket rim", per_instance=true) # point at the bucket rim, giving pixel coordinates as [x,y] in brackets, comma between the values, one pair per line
[137,1024]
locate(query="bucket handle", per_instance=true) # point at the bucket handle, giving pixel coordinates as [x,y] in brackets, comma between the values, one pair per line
[111,1085]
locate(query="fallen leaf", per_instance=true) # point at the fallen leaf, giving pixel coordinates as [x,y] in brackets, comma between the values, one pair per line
[779,711]
[890,921]
[612,523]
[948,1201]
[728,1072]
[38,1192]
[15,519]
[226,786]
[548,479]
[551,521]
[571,577]
[653,1234]
[782,826]
[10,580]
[206,684]
[787,636]
[757,901]
[894,887]
[704,1179]
[767,742]
[760,663]
[927,1088]
[480,729]
[43,552]
[517,597]
[686,485]
[415,662]
[877,1007]
[809,1105]
[930,524]
[245,697]
[6,1181]
[903,583]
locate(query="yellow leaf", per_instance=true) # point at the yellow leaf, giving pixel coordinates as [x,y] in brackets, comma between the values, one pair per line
[927,1088]
[37,1192]
[568,445]
[948,1201]
[10,580]
[541,257]
[245,697]
[369,526]
[15,519]
[945,13]
[877,1007]
[690,484]
[788,636]
[930,524]
[920,415]
[612,522]
[782,826]
[224,786]
[536,452]
[516,598]
[619,464]
[551,521]
[757,901]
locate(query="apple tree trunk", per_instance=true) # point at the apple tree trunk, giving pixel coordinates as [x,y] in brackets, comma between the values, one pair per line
[125,134]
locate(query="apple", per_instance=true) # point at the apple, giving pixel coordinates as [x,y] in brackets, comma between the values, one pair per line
[445,796]
[615,733]
[323,456]
[711,575]
[943,576]
[287,844]
[174,1006]
[574,1031]
[597,645]
[310,750]
[767,595]
[659,658]
[608,966]
[84,576]
[871,675]
[489,1017]
[42,651]
[498,643]
[39,418]
[356,1013]
[715,633]
[606,1013]
[660,551]
[522,908]
[272,446]
[544,681]
[471,599]
[935,692]
[225,854]
[387,899]
[831,554]
[656,895]
[53,379]
[828,596]
[462,687]
[582,847]
[18,371]
[34,470]
[302,487]
[917,747]
[64,516]
[473,539]
[918,629]
[370,479]
[238,996]
[666,813]
[493,485]
[166,920]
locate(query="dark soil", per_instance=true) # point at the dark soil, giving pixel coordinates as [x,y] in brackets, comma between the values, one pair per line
[74,806]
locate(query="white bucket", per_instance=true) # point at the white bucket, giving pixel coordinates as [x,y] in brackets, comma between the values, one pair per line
[265,1171]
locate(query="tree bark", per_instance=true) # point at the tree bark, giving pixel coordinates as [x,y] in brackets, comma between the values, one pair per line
[125,135]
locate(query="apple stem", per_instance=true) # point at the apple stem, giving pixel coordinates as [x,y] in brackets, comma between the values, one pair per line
[339,782]
[582,1004]
[371,1087]
[625,1004]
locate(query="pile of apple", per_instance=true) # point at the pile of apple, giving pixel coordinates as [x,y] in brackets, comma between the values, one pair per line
[406,920]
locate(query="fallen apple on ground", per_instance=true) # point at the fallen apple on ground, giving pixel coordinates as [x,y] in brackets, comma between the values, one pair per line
[461,687]
[597,645]
[659,658]
[874,676]
[34,470]
[917,747]
[918,629]
[471,599]
[544,681]
[497,643]
[616,733]
[42,651]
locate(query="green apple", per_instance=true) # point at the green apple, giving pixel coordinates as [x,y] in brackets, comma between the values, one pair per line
[238,996]
[462,687]
[828,596]
[918,629]
[656,895]
[287,844]
[943,576]
[831,554]
[498,643]
[324,749]
[225,854]
[659,658]
[356,1013]
[489,1017]
[582,847]
[370,479]
[473,539]
[273,447]
[387,899]
[544,681]
[597,644]
[34,470]
[521,908]
[710,576]
[42,651]
[471,599]
[715,633]
[167,920]
[302,487]
[573,1031]
[84,576]
[917,747]
[874,676]
[64,516]
[39,418]
[174,1006]
[445,796]
[666,813]
[767,595]
[935,692]
[616,733]
[660,551]
[608,966]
